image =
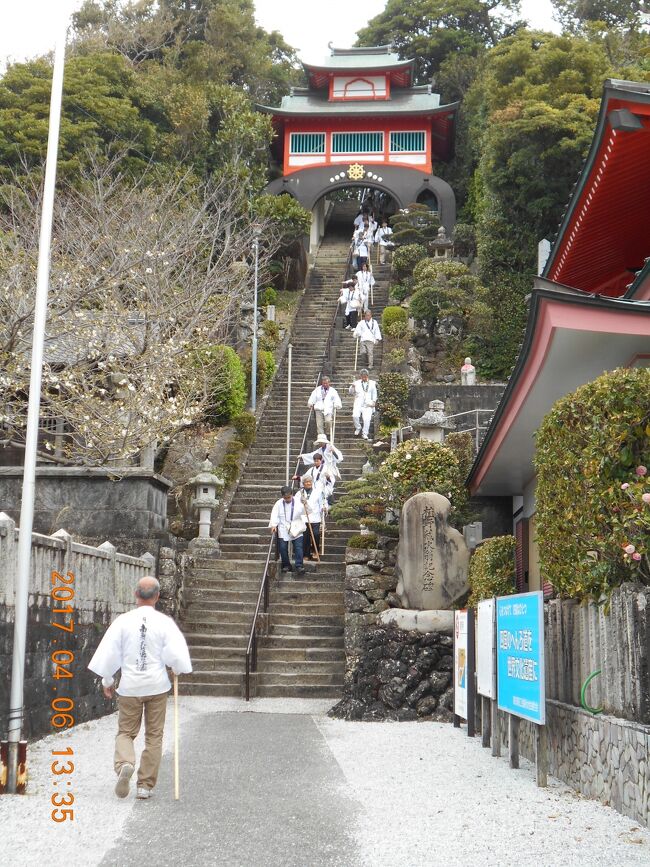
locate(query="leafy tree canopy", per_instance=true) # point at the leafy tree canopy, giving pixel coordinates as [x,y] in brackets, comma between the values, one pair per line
[575,14]
[434,30]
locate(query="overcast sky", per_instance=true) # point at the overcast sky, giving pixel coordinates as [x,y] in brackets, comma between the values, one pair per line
[27,25]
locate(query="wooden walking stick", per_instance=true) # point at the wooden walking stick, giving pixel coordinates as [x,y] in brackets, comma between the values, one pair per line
[322,533]
[356,355]
[333,424]
[176,773]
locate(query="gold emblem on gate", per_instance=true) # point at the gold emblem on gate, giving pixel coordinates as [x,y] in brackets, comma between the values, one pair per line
[356,172]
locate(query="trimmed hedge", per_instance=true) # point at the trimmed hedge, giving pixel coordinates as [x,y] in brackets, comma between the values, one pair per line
[368,541]
[492,569]
[394,322]
[406,258]
[593,496]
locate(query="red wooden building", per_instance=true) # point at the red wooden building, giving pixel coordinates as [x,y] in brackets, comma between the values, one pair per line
[362,122]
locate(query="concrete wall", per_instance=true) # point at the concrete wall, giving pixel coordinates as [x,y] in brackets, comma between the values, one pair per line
[104,584]
[93,503]
[457,398]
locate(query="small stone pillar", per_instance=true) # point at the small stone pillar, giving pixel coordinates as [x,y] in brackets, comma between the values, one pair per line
[468,373]
[207,486]
[433,424]
[270,312]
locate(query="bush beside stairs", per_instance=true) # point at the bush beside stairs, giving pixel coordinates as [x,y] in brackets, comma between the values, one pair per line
[303,653]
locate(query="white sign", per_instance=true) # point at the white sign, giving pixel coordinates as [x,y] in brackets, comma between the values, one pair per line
[486,674]
[460,664]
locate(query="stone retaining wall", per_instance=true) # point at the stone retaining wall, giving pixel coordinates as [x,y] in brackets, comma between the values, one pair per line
[104,584]
[602,757]
[391,673]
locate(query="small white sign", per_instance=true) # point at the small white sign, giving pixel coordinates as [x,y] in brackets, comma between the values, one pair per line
[460,663]
[486,674]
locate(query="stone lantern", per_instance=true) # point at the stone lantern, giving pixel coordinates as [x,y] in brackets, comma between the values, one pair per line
[442,247]
[206,500]
[433,424]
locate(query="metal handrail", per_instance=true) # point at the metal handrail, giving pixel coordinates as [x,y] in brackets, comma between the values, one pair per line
[262,605]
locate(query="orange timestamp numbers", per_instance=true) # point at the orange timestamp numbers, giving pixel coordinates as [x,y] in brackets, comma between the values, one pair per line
[62,594]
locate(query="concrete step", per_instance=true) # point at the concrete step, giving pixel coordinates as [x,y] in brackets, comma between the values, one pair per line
[217,690]
[294,690]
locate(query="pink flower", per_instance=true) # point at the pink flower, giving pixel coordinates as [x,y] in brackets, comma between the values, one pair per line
[646,498]
[625,486]
[629,549]
[641,470]
[636,556]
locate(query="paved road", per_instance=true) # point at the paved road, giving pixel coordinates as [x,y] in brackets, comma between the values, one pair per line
[258,789]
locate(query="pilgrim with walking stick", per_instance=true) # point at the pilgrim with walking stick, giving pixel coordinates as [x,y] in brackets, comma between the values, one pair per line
[142,643]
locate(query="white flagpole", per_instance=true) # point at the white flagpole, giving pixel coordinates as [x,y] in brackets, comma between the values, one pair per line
[33,414]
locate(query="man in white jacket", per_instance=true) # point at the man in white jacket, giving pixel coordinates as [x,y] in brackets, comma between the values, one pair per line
[365,398]
[324,399]
[367,331]
[330,454]
[288,521]
[140,643]
[314,504]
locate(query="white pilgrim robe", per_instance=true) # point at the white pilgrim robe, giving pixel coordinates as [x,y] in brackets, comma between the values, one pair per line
[321,479]
[141,643]
[352,299]
[314,505]
[367,331]
[283,514]
[331,457]
[325,400]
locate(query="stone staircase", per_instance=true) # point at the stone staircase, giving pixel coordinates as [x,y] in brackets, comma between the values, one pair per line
[303,653]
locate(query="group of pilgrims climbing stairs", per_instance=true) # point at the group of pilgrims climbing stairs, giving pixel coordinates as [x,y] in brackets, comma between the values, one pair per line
[302,653]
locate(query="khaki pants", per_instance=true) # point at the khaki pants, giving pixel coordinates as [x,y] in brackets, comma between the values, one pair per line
[323,421]
[367,350]
[131,708]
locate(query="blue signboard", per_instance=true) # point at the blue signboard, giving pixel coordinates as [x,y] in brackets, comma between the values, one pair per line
[520,656]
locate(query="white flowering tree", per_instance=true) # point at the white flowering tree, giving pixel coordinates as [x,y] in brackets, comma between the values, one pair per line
[145,274]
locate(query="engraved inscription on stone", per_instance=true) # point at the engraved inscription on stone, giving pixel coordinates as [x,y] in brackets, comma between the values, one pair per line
[428,548]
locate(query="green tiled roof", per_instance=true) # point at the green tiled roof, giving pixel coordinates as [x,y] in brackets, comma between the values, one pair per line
[410,101]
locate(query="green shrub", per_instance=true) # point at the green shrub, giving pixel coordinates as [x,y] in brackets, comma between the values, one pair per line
[244,424]
[394,322]
[268,296]
[234,447]
[464,240]
[462,445]
[229,468]
[492,569]
[425,304]
[265,369]
[368,541]
[227,382]
[270,335]
[428,270]
[592,454]
[399,291]
[397,355]
[393,397]
[418,466]
[406,258]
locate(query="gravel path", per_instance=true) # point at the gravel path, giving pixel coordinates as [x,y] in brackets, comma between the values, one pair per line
[311,791]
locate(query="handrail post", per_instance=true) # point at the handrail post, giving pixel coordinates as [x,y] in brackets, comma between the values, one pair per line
[290,348]
[477,431]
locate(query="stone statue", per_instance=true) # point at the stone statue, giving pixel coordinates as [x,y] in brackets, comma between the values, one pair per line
[468,373]
[432,557]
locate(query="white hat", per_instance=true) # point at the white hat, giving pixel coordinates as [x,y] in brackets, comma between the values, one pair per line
[321,439]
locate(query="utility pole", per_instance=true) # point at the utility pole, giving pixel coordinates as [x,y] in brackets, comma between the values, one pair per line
[16,714]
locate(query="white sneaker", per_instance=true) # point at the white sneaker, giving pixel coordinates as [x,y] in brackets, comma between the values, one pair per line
[357,432]
[143,793]
[124,780]
[365,437]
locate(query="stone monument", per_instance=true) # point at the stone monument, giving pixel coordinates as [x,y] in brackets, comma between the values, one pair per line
[432,557]
[468,373]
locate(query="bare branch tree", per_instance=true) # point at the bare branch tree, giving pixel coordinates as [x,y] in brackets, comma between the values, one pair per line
[146,274]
